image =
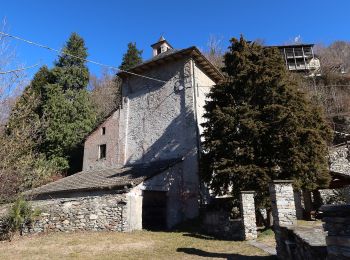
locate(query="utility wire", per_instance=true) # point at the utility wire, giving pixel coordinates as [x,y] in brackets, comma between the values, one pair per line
[77,57]
[16,70]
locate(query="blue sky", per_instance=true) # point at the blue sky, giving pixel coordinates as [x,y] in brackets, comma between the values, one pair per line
[107,26]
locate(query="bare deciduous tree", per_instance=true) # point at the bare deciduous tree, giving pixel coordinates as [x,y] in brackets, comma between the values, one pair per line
[11,84]
[106,93]
[214,52]
[334,58]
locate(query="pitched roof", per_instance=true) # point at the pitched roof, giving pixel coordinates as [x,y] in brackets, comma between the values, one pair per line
[174,54]
[106,179]
[160,41]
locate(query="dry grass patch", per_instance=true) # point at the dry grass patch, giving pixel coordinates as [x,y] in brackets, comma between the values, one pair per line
[135,245]
[267,237]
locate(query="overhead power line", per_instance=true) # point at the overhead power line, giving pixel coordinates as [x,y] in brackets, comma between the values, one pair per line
[16,70]
[77,57]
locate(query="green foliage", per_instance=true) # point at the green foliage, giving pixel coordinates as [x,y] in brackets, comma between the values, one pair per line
[132,57]
[47,125]
[260,127]
[71,117]
[20,215]
[71,72]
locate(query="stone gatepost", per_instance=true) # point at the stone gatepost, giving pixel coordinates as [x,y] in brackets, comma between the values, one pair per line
[283,212]
[248,215]
[282,202]
[337,223]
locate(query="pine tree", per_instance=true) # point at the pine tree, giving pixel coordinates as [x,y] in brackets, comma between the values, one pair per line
[132,57]
[70,72]
[260,127]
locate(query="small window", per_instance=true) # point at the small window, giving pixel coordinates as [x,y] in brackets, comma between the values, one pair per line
[103,130]
[159,50]
[102,151]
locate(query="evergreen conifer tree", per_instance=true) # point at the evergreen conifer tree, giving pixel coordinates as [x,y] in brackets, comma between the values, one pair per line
[132,57]
[260,127]
[71,72]
[68,109]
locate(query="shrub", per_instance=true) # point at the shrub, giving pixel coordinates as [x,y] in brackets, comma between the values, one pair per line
[20,215]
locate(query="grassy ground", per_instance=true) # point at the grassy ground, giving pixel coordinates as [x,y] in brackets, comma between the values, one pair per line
[135,245]
[267,237]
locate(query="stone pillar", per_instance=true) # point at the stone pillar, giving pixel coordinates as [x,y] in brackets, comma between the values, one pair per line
[283,212]
[282,202]
[298,204]
[337,223]
[248,215]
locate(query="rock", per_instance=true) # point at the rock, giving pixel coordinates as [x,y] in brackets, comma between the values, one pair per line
[93,216]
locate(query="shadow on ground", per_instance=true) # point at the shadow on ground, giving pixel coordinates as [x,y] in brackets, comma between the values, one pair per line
[202,253]
[193,228]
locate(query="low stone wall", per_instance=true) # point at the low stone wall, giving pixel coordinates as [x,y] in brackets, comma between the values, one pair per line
[218,224]
[90,213]
[297,242]
[337,223]
[294,241]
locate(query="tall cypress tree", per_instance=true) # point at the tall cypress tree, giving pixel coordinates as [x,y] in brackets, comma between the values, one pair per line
[132,57]
[260,127]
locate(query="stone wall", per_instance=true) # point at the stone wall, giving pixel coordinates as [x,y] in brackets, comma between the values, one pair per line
[218,224]
[301,243]
[91,213]
[339,159]
[334,196]
[337,223]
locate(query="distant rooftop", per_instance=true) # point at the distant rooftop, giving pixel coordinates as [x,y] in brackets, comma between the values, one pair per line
[293,45]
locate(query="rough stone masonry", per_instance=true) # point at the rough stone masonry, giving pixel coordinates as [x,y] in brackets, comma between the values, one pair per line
[92,213]
[248,215]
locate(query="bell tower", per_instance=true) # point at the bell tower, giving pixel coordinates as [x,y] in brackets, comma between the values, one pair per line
[161,46]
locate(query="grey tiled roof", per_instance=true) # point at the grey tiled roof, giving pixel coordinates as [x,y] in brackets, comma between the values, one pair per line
[114,178]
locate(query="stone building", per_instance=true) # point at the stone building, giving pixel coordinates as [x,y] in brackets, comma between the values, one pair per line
[140,166]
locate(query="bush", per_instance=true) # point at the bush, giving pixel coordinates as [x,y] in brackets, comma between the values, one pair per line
[20,215]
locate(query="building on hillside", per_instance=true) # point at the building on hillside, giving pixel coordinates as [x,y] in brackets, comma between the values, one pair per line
[300,58]
[140,166]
